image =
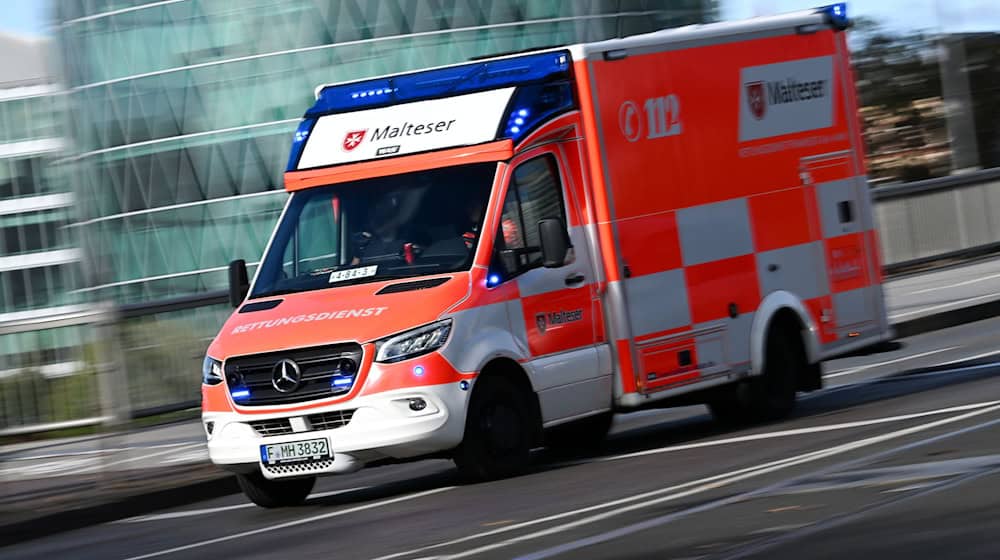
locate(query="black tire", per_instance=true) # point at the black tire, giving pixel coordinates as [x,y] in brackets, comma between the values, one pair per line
[275,493]
[772,395]
[769,396]
[499,431]
[582,436]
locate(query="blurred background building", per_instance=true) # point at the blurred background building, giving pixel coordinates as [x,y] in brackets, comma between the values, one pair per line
[39,261]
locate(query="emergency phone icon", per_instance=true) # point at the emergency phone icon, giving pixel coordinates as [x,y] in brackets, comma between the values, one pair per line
[629,121]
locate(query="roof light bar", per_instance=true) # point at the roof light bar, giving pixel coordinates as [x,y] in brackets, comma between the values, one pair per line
[836,15]
[453,80]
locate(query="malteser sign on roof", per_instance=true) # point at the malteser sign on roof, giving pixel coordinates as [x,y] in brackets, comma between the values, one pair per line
[405,129]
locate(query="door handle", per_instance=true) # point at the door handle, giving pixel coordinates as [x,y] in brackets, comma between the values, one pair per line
[574,279]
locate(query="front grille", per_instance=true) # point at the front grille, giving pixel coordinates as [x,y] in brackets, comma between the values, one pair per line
[321,421]
[331,420]
[249,377]
[273,427]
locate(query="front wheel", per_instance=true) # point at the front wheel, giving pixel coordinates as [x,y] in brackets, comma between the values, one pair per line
[499,431]
[275,493]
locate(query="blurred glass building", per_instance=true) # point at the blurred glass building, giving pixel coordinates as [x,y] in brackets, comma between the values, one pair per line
[184,109]
[39,262]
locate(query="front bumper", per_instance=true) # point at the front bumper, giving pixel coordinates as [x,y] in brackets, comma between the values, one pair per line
[383,426]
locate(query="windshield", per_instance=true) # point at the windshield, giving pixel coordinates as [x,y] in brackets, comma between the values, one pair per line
[419,223]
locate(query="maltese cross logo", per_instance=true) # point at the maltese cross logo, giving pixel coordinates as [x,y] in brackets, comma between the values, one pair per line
[353,139]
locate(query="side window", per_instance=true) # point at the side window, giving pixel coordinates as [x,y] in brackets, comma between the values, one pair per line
[534,194]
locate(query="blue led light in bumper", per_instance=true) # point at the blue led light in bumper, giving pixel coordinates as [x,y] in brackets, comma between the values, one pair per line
[418,371]
[442,82]
[341,383]
[241,394]
[493,280]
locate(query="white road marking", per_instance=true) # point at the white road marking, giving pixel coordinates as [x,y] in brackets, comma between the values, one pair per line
[703,486]
[797,431]
[950,286]
[294,523]
[207,511]
[852,371]
[643,496]
[95,452]
[969,358]
[959,303]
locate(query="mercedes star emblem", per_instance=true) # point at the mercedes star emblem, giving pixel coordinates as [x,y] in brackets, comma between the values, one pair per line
[286,376]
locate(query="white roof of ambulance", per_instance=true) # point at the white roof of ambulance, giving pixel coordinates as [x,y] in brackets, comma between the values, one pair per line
[709,33]
[691,35]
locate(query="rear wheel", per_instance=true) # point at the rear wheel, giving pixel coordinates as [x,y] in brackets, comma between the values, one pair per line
[771,395]
[499,431]
[275,493]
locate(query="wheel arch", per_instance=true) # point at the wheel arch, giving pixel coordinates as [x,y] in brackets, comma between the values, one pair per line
[512,371]
[779,307]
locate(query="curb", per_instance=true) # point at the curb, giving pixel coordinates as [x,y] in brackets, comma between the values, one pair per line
[947,319]
[44,525]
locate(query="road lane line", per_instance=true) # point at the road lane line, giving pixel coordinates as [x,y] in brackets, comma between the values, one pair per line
[958,303]
[950,286]
[654,493]
[207,511]
[852,371]
[798,431]
[991,353]
[93,452]
[288,524]
[763,469]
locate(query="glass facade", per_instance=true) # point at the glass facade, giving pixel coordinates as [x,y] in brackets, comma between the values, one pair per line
[184,110]
[39,263]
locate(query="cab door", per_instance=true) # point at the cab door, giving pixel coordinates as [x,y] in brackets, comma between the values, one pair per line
[555,311]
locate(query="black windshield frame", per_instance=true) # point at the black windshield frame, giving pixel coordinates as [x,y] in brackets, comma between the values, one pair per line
[435,216]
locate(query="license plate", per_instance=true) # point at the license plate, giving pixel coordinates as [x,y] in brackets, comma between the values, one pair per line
[295,451]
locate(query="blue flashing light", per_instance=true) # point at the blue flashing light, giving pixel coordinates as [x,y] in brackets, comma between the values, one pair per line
[837,13]
[299,142]
[342,381]
[535,104]
[418,371]
[493,280]
[240,394]
[442,82]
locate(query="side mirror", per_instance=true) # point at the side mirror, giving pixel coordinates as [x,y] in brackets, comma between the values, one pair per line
[239,282]
[555,242]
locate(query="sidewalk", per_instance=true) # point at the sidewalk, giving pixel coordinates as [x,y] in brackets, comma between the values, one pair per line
[56,485]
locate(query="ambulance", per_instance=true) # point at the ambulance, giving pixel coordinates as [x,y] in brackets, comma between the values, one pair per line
[481,259]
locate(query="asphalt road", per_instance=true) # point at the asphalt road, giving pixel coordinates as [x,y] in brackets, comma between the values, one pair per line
[898,457]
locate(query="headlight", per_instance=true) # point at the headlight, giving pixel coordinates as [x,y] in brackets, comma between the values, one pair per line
[413,343]
[211,371]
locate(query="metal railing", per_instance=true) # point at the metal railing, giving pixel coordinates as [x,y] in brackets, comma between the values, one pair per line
[945,219]
[133,361]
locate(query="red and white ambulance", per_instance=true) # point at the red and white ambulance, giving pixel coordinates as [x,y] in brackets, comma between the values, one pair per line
[478,259]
